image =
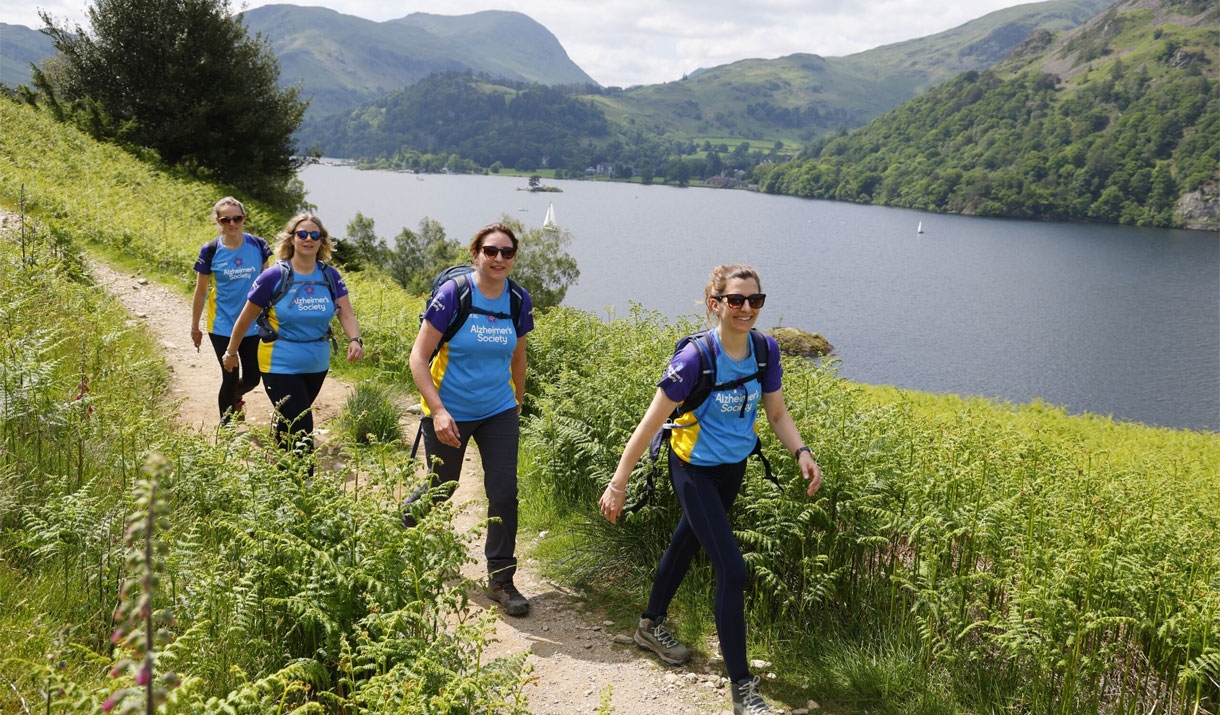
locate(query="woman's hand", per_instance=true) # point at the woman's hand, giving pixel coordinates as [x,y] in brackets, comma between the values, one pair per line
[355,350]
[446,429]
[612,502]
[812,472]
[228,361]
[196,337]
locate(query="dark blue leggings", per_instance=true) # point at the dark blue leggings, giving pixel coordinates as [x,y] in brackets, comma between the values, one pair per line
[706,495]
[498,437]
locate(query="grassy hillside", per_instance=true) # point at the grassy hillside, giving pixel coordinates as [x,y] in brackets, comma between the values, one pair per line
[343,61]
[1116,122]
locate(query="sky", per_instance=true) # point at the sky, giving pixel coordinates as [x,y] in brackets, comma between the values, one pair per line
[629,42]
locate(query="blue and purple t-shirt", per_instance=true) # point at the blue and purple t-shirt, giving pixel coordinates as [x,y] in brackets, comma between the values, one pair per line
[302,318]
[231,272]
[719,431]
[472,372]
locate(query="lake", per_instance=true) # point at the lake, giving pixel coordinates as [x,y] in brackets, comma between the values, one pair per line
[1112,320]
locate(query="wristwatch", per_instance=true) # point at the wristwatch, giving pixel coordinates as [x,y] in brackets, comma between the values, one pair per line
[797,453]
[356,339]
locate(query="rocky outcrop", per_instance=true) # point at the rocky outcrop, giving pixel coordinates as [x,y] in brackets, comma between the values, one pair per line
[798,342]
[1200,210]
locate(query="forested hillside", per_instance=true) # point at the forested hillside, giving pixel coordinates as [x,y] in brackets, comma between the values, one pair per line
[1116,122]
[803,96]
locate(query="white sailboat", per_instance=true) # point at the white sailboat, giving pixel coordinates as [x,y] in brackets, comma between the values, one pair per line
[919,228]
[550,217]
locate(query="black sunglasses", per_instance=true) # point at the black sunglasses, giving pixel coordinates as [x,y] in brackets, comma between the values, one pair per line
[230,219]
[736,300]
[507,253]
[312,235]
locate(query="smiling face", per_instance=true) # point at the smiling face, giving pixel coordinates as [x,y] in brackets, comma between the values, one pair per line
[230,219]
[495,267]
[306,247]
[736,319]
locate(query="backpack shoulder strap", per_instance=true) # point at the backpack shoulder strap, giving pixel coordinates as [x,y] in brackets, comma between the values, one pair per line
[285,282]
[329,274]
[461,310]
[209,250]
[761,350]
[706,381]
[516,298]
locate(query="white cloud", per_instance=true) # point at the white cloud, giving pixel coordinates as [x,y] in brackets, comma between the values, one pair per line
[627,42]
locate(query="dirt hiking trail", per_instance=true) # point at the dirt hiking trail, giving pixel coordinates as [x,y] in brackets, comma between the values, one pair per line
[575,654]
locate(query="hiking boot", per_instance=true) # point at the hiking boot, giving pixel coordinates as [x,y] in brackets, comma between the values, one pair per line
[746,700]
[239,411]
[652,635]
[510,599]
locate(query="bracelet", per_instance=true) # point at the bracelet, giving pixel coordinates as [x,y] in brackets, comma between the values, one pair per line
[227,355]
[195,330]
[356,339]
[616,491]
[797,453]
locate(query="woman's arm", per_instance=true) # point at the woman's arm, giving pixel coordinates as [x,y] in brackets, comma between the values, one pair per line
[616,491]
[421,354]
[351,327]
[518,371]
[201,294]
[785,428]
[248,314]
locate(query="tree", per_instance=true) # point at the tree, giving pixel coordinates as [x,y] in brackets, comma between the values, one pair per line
[366,247]
[181,77]
[543,267]
[417,258]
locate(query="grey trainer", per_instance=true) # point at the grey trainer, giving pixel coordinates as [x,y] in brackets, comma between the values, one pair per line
[746,700]
[653,636]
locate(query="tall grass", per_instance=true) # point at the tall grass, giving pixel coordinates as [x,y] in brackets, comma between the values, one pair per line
[286,589]
[1053,564]
[92,194]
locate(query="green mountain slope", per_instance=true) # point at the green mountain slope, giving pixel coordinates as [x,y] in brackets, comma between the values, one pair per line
[343,61]
[802,96]
[1117,121]
[19,47]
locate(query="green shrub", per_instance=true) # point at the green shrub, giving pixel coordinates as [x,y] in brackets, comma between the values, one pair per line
[370,416]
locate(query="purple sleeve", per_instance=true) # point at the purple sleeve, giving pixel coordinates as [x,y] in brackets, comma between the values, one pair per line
[203,264]
[527,313]
[264,286]
[441,308]
[681,373]
[340,284]
[773,378]
[263,249]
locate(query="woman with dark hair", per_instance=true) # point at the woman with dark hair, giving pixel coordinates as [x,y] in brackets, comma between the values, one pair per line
[295,363]
[225,270]
[707,462]
[472,386]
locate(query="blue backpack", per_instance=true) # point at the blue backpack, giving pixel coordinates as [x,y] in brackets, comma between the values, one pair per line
[705,385]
